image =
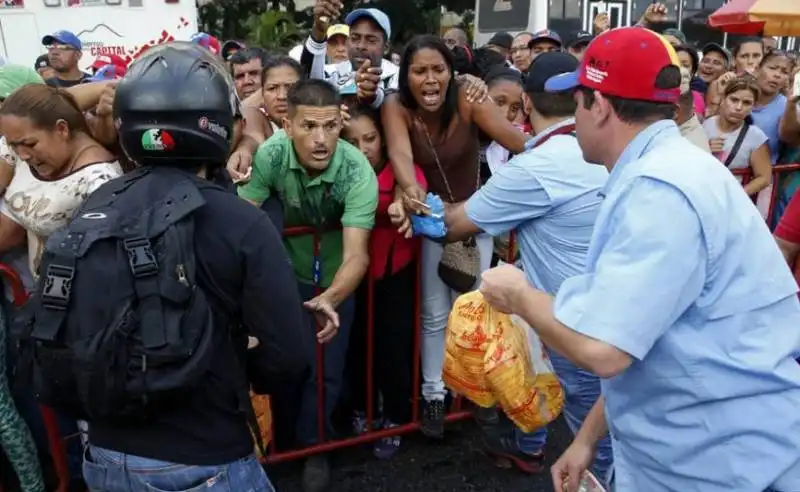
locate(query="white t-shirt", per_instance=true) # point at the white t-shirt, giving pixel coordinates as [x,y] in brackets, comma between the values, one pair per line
[693,131]
[754,139]
[43,207]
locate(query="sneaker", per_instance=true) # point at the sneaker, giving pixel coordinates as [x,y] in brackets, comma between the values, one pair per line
[387,447]
[316,473]
[486,417]
[359,423]
[507,453]
[433,419]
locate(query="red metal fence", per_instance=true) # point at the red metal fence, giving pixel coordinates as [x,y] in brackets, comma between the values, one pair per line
[456,413]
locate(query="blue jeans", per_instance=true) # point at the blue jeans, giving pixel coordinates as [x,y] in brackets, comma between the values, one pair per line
[334,360]
[581,391]
[110,471]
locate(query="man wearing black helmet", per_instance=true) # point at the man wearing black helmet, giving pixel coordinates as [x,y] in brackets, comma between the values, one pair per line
[202,440]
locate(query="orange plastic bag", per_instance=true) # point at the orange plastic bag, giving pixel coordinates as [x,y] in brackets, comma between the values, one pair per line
[263,417]
[466,342]
[492,357]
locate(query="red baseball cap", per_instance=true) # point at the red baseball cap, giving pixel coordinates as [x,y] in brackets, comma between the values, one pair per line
[625,63]
[208,41]
[103,60]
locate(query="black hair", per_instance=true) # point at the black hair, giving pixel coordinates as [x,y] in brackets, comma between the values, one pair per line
[502,73]
[363,110]
[635,111]
[479,62]
[261,53]
[281,61]
[746,40]
[244,56]
[692,52]
[553,104]
[769,55]
[450,106]
[313,92]
[462,59]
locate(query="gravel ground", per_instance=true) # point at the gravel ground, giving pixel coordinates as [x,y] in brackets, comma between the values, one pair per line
[458,464]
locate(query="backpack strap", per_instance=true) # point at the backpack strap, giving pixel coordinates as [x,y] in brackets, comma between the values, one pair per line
[56,286]
[144,268]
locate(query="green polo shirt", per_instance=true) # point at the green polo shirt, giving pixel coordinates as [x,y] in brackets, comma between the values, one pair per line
[345,194]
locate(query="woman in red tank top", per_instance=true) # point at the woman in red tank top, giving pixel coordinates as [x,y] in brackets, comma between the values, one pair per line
[393,273]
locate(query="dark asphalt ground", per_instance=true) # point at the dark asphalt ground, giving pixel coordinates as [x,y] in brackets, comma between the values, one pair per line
[458,464]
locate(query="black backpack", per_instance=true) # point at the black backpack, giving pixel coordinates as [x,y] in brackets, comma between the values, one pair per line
[118,327]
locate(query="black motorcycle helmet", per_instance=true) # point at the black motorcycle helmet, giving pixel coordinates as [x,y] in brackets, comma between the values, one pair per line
[176,107]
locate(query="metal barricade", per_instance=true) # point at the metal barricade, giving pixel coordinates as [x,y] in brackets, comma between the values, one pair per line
[777,171]
[370,435]
[58,449]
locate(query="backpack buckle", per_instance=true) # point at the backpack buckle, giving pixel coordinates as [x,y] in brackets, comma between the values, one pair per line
[141,259]
[57,287]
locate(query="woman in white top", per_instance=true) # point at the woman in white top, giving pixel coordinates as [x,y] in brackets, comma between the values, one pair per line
[56,162]
[733,126]
[505,90]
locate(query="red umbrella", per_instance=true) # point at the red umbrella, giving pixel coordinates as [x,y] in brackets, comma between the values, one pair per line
[750,17]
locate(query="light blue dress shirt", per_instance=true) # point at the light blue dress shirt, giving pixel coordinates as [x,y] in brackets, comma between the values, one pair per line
[550,196]
[684,276]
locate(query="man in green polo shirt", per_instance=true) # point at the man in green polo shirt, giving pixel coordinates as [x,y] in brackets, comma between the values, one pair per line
[326,183]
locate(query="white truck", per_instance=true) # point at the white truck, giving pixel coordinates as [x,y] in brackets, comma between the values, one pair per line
[512,16]
[105,27]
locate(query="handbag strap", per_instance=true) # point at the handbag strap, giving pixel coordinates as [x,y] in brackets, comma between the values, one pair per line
[737,145]
[439,164]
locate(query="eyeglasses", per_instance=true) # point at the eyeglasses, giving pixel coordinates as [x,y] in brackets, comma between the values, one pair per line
[61,47]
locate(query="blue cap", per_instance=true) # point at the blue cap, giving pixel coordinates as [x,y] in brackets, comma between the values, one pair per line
[562,83]
[376,15]
[63,37]
[545,67]
[545,35]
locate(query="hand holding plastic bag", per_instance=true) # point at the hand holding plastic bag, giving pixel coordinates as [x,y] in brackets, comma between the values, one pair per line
[430,224]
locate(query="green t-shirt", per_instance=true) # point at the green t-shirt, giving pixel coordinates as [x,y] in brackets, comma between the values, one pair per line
[345,193]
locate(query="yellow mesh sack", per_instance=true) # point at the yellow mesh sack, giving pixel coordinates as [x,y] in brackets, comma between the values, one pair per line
[517,373]
[263,417]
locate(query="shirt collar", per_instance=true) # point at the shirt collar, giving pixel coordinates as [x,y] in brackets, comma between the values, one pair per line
[547,131]
[640,145]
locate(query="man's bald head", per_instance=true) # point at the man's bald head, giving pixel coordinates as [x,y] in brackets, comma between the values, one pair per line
[455,37]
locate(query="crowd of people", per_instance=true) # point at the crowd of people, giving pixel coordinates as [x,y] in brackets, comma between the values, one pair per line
[663,301]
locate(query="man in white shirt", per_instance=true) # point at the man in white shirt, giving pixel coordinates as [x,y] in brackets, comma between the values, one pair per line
[366,70]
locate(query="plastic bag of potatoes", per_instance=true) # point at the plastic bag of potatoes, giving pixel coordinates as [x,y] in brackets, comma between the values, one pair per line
[495,358]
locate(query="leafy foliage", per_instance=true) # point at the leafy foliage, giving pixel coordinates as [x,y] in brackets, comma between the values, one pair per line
[274,24]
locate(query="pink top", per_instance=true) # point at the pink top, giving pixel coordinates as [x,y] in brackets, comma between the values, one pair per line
[699,105]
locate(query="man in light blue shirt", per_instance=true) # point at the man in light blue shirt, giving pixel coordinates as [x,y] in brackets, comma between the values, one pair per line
[549,195]
[686,308]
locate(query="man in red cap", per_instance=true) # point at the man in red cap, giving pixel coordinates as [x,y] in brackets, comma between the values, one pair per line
[685,309]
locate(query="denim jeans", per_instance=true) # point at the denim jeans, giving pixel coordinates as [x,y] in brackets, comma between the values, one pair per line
[334,360]
[581,391]
[110,471]
[437,301]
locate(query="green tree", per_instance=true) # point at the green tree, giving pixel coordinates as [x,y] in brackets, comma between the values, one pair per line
[273,30]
